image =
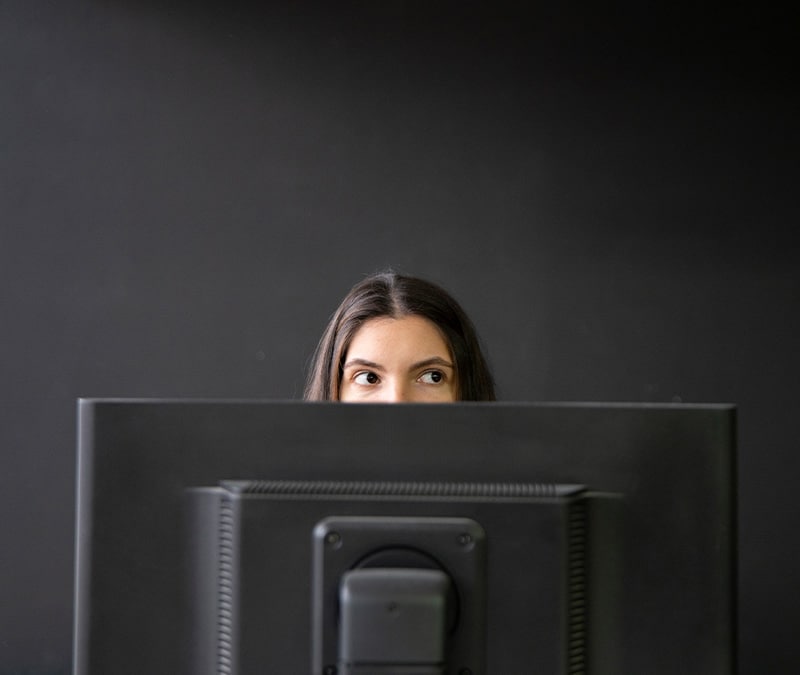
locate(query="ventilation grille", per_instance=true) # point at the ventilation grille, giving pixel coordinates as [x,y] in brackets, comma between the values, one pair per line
[404,489]
[577,622]
[225,590]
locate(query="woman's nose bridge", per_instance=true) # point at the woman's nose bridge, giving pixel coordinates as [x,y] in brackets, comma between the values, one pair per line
[397,390]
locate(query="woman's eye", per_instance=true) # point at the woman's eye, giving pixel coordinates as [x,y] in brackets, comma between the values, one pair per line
[366,378]
[432,377]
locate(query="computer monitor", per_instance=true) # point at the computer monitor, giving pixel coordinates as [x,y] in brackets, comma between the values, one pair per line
[472,538]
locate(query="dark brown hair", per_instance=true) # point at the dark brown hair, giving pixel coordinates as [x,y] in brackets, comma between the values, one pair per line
[388,294]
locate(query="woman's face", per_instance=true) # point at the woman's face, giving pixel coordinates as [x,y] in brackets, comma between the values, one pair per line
[398,360]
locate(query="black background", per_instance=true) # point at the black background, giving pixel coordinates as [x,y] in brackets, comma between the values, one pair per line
[188,189]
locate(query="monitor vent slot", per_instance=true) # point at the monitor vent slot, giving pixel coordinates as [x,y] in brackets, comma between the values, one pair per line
[577,618]
[225,589]
[403,489]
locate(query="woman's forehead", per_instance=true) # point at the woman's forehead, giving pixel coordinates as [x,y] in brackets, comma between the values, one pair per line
[409,335]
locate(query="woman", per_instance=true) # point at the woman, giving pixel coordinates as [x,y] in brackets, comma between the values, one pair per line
[396,338]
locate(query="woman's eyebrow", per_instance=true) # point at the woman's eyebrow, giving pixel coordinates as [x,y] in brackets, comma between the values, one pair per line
[433,361]
[363,362]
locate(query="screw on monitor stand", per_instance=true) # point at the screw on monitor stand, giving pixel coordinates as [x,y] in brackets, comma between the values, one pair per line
[466,541]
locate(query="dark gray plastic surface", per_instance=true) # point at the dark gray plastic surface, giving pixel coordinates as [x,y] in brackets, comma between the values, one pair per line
[673,464]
